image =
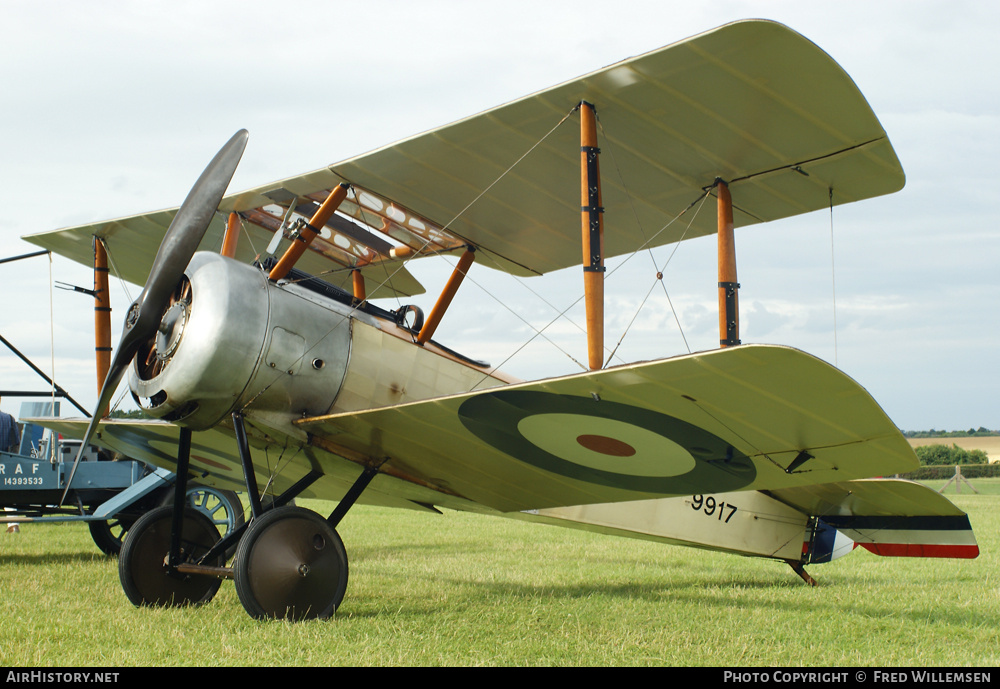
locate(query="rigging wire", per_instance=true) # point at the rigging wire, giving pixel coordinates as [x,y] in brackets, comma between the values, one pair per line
[621,178]
[52,338]
[538,332]
[512,166]
[562,314]
[521,318]
[659,274]
[649,249]
[243,230]
[646,245]
[114,267]
[833,279]
[482,193]
[274,473]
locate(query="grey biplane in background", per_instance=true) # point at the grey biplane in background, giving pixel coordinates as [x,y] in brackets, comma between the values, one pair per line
[264,378]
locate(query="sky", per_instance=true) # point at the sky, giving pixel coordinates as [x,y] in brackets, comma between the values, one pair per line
[113,108]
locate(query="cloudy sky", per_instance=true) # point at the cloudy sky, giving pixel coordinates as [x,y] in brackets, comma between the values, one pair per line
[112,108]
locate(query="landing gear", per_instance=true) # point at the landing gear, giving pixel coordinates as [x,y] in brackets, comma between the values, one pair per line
[108,535]
[223,507]
[144,564]
[290,564]
[801,571]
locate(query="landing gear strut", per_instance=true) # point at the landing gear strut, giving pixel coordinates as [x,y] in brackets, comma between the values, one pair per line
[290,562]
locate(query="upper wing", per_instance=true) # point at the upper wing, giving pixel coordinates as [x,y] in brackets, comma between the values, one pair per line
[132,243]
[751,102]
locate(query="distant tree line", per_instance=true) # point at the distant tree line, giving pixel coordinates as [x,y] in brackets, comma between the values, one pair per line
[131,414]
[971,433]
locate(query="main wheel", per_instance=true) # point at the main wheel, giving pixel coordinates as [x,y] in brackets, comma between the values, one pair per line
[290,564]
[223,507]
[142,565]
[108,535]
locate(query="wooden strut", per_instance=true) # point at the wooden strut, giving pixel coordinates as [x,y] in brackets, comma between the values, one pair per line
[309,232]
[592,227]
[358,284]
[232,235]
[729,304]
[447,294]
[102,313]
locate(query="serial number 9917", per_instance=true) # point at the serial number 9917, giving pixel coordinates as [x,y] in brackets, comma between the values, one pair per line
[710,506]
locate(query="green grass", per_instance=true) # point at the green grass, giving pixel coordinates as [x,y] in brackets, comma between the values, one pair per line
[463,589]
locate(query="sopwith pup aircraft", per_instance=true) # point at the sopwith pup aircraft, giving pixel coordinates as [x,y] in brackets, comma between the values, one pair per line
[276,372]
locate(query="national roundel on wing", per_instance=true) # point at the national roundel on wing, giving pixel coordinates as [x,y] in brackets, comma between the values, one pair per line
[606,443]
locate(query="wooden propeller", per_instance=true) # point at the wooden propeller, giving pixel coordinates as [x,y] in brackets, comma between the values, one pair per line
[178,246]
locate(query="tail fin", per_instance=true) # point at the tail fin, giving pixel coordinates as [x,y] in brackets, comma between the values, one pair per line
[918,536]
[889,517]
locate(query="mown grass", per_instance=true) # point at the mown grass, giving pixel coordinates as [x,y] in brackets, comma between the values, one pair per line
[463,589]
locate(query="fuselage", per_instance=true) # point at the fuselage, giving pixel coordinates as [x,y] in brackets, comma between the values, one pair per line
[234,340]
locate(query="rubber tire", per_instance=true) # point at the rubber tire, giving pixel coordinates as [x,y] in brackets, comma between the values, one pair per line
[290,564]
[141,565]
[107,536]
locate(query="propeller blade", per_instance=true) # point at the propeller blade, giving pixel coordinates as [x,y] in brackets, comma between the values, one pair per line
[178,246]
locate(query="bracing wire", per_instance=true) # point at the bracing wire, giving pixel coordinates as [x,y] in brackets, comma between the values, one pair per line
[833,280]
[647,246]
[511,167]
[114,268]
[562,314]
[52,338]
[659,275]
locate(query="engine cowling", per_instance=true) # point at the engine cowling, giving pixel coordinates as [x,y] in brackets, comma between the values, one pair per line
[231,339]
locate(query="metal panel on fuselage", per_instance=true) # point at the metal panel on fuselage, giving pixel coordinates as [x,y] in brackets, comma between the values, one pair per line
[387,368]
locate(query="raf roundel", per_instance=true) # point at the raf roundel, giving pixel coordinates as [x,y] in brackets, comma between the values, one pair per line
[607,443]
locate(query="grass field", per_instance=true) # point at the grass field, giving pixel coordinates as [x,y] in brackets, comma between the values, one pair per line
[463,589]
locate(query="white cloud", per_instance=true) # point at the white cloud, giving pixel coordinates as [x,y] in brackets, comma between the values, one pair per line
[116,105]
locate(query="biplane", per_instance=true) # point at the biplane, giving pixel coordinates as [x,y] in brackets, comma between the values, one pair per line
[274,371]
